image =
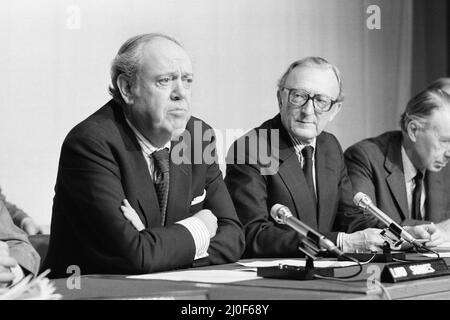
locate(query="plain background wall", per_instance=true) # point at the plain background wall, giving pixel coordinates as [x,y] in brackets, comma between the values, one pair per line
[56,72]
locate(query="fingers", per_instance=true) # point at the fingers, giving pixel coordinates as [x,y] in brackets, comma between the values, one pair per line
[131,215]
[431,228]
[419,231]
[436,238]
[30,229]
[127,204]
[7,262]
[4,249]
[6,276]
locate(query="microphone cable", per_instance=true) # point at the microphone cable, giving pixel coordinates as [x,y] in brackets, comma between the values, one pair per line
[346,278]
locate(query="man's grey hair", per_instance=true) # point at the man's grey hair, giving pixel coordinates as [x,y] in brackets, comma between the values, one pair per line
[441,83]
[420,107]
[313,62]
[128,61]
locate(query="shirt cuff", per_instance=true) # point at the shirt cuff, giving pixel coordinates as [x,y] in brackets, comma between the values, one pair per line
[340,241]
[200,234]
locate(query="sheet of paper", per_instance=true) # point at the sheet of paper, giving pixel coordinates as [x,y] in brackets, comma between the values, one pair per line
[443,247]
[210,276]
[296,263]
[441,254]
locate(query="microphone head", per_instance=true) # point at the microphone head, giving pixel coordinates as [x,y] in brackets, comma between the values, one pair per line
[362,200]
[280,213]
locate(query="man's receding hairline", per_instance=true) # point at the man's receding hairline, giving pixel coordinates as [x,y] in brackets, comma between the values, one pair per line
[314,66]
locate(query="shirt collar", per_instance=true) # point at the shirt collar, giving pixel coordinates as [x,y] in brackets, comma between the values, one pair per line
[409,170]
[298,145]
[147,147]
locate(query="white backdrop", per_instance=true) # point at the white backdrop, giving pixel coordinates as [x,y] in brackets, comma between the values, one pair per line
[56,54]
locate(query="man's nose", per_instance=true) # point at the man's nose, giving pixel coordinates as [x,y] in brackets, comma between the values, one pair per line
[447,154]
[178,90]
[308,107]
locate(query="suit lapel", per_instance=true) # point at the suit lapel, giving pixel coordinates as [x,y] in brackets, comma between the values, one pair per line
[180,186]
[142,182]
[325,186]
[396,179]
[291,173]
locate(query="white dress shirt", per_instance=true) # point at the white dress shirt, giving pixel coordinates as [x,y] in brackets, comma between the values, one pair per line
[194,225]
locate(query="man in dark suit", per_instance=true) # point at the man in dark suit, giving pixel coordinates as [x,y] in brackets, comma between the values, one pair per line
[133,193]
[405,172]
[304,169]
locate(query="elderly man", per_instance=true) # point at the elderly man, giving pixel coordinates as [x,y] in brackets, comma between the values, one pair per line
[126,157]
[311,178]
[405,172]
[17,256]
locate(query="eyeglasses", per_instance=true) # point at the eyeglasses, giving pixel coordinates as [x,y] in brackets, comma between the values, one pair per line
[299,98]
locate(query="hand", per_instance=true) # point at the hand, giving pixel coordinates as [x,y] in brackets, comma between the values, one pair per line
[368,240]
[30,227]
[444,226]
[209,219]
[6,263]
[432,232]
[131,215]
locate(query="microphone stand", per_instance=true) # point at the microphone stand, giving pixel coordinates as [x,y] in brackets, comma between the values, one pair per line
[308,272]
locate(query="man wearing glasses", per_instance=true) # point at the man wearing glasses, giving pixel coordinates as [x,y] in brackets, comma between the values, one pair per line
[311,179]
[405,172]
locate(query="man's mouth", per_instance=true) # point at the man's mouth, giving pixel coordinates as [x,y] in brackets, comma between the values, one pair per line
[305,122]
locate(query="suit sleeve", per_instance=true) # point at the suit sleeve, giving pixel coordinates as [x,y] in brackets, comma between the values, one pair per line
[248,189]
[89,182]
[18,243]
[228,244]
[359,171]
[350,218]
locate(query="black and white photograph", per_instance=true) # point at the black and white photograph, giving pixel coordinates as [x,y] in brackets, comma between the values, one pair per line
[236,155]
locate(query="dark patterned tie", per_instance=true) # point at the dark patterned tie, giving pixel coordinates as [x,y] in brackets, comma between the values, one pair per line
[417,194]
[161,162]
[307,153]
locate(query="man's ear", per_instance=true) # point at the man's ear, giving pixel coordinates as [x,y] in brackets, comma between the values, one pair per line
[412,129]
[335,110]
[279,99]
[125,89]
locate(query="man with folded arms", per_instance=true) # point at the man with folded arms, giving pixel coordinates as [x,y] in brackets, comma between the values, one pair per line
[131,197]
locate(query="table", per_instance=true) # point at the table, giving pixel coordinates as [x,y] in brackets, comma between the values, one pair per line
[118,287]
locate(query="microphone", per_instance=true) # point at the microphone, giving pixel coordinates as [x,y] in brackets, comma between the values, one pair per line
[282,215]
[363,201]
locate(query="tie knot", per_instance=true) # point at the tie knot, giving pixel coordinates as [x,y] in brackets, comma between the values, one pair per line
[419,176]
[161,158]
[307,152]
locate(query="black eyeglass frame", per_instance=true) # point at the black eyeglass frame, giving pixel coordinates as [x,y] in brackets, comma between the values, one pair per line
[311,97]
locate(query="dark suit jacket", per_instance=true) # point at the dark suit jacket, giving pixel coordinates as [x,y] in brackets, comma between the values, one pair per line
[375,168]
[18,243]
[101,164]
[254,193]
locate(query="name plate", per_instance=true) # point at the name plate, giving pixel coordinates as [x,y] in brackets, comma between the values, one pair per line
[406,271]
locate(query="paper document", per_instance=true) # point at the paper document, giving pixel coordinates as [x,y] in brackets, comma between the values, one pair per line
[210,276]
[296,263]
